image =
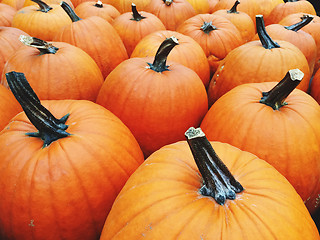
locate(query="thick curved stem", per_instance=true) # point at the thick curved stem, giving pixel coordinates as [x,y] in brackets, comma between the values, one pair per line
[49,127]
[275,98]
[207,27]
[43,6]
[99,4]
[136,16]
[297,26]
[160,60]
[43,46]
[66,7]
[264,37]
[218,181]
[234,7]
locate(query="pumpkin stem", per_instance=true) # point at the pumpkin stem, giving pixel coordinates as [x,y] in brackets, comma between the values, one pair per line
[49,127]
[207,27]
[168,2]
[43,6]
[218,182]
[264,37]
[135,14]
[275,98]
[297,26]
[99,4]
[234,7]
[43,46]
[160,60]
[290,1]
[66,7]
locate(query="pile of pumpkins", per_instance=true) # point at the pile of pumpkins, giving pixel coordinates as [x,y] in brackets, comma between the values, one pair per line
[159,119]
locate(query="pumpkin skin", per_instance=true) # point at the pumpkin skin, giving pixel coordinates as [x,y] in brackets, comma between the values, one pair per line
[81,78]
[6,15]
[288,138]
[201,6]
[189,53]
[266,6]
[30,2]
[64,190]
[315,86]
[42,24]
[125,5]
[161,200]
[212,4]
[216,35]
[16,4]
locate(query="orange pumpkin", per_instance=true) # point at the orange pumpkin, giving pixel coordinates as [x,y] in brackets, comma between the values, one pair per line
[6,15]
[41,21]
[96,37]
[56,70]
[60,176]
[16,4]
[212,4]
[262,60]
[178,193]
[125,5]
[315,86]
[31,2]
[201,6]
[283,130]
[189,53]
[266,6]
[157,102]
[133,26]
[97,8]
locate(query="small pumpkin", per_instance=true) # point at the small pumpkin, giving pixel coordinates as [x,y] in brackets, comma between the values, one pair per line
[207,190]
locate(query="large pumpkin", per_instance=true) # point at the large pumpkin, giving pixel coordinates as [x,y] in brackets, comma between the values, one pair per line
[6,15]
[56,70]
[172,197]
[284,131]
[60,176]
[157,102]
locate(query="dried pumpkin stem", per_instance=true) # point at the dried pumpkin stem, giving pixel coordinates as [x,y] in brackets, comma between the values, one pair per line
[207,27]
[234,7]
[43,46]
[218,182]
[275,98]
[160,60]
[73,16]
[264,37]
[49,127]
[99,4]
[43,6]
[297,26]
[291,1]
[136,16]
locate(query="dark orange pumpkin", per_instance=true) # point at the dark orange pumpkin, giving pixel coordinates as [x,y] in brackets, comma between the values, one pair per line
[96,37]
[178,193]
[56,70]
[283,130]
[6,15]
[157,102]
[60,176]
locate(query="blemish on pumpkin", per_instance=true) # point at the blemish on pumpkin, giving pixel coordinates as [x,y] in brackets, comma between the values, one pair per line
[31,224]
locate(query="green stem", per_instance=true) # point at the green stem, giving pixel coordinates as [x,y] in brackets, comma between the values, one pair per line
[160,59]
[135,14]
[264,37]
[99,4]
[167,2]
[43,6]
[275,98]
[43,46]
[297,26]
[234,7]
[207,27]
[218,181]
[49,127]
[66,7]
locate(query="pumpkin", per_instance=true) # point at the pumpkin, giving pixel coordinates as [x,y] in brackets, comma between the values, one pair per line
[9,107]
[212,4]
[266,6]
[201,6]
[241,20]
[41,21]
[171,12]
[96,37]
[16,4]
[133,26]
[97,8]
[63,165]
[56,70]
[31,2]
[258,61]
[125,5]
[6,15]
[189,53]
[289,7]
[295,35]
[280,128]
[207,190]
[9,43]
[158,102]
[315,86]
[216,35]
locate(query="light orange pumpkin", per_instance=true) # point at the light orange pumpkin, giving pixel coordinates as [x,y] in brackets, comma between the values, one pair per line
[6,15]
